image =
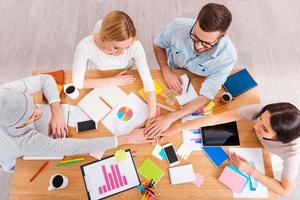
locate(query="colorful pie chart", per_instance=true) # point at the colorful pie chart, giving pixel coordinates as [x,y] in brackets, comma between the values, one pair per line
[125,114]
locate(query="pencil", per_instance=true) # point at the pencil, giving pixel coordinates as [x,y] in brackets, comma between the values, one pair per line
[39,171]
[188,86]
[66,161]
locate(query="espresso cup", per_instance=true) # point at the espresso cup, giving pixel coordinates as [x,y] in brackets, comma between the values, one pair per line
[57,182]
[226,97]
[71,91]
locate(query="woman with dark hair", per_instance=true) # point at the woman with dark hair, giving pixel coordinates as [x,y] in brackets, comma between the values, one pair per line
[277,126]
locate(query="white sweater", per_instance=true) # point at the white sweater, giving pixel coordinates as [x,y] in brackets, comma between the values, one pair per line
[27,141]
[89,56]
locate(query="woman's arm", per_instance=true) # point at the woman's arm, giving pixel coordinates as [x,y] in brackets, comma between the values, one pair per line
[283,187]
[151,101]
[211,120]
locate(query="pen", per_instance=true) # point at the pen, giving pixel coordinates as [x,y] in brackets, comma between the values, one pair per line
[39,171]
[188,86]
[68,116]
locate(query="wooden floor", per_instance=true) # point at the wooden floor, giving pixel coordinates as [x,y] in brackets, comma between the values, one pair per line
[42,34]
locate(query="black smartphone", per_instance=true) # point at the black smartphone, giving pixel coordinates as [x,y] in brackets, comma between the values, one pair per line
[86,126]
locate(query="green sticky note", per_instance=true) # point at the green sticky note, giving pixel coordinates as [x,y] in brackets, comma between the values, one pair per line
[150,170]
[120,155]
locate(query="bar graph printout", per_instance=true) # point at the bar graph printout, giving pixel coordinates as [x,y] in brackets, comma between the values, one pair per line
[106,177]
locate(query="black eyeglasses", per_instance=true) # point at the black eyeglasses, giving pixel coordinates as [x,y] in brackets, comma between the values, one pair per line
[205,44]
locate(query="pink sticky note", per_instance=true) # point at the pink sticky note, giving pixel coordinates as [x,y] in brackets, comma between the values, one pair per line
[198,179]
[232,180]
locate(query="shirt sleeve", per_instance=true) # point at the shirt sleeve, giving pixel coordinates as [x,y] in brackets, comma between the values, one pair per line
[291,168]
[79,65]
[214,81]
[163,39]
[32,84]
[38,144]
[139,56]
[250,111]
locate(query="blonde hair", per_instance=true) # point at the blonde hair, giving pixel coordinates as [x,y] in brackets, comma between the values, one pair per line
[117,26]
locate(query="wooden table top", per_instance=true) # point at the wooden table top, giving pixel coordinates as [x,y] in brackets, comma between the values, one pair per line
[211,188]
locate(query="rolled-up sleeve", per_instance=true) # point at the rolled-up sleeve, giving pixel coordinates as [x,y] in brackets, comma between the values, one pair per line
[214,81]
[163,39]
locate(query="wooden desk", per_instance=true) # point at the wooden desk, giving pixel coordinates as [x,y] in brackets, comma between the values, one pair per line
[211,189]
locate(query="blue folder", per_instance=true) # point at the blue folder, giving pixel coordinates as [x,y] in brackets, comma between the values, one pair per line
[239,82]
[216,154]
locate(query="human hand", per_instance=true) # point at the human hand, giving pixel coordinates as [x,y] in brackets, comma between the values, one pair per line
[137,137]
[173,81]
[121,79]
[240,163]
[157,126]
[57,126]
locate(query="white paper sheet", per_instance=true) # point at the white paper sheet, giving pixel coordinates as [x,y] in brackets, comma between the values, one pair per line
[186,97]
[182,174]
[252,155]
[92,105]
[121,122]
[113,95]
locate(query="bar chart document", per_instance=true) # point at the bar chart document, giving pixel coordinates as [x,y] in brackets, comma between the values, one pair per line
[106,177]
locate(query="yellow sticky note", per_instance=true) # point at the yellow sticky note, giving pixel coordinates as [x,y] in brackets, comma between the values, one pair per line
[209,106]
[158,90]
[120,155]
[59,88]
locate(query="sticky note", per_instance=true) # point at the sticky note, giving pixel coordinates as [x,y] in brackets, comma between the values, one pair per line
[162,153]
[155,152]
[120,155]
[158,90]
[184,151]
[233,180]
[150,170]
[209,106]
[199,179]
[59,88]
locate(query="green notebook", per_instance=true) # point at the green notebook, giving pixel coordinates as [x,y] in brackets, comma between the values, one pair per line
[150,170]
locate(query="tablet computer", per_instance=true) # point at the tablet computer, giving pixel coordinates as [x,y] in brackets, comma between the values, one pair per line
[221,135]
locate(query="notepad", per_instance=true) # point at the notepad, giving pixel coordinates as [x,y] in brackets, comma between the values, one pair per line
[239,82]
[188,96]
[182,174]
[233,179]
[216,154]
[150,170]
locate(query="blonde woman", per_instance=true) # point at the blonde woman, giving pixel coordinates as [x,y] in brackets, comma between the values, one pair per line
[114,47]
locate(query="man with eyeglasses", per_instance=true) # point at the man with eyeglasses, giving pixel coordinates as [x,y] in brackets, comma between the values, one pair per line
[201,47]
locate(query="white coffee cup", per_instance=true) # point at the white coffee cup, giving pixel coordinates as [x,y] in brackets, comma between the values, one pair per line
[71,91]
[226,97]
[57,182]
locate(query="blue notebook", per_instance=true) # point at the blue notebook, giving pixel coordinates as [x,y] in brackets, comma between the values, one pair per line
[216,154]
[239,82]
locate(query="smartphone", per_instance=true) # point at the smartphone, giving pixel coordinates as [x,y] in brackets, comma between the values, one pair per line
[171,154]
[86,126]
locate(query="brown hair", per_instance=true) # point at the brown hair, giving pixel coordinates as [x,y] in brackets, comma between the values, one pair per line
[214,17]
[117,26]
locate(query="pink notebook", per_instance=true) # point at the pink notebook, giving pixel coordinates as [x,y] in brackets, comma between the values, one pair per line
[233,180]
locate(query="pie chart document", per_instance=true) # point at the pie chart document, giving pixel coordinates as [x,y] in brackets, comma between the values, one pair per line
[130,113]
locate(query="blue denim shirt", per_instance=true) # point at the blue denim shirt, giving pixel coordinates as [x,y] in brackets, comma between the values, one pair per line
[215,64]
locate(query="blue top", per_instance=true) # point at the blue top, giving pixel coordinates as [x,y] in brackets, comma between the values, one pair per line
[216,63]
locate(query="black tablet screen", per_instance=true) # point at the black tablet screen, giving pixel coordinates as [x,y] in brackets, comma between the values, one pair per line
[221,135]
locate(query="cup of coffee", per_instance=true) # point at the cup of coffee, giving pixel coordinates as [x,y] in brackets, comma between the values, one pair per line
[226,97]
[71,91]
[58,181]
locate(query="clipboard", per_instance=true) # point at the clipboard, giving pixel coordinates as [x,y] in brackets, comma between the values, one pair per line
[91,189]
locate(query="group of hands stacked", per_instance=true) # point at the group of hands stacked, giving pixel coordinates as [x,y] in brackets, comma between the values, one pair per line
[154,129]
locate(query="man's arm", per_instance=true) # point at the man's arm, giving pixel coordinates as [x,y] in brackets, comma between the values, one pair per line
[172,80]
